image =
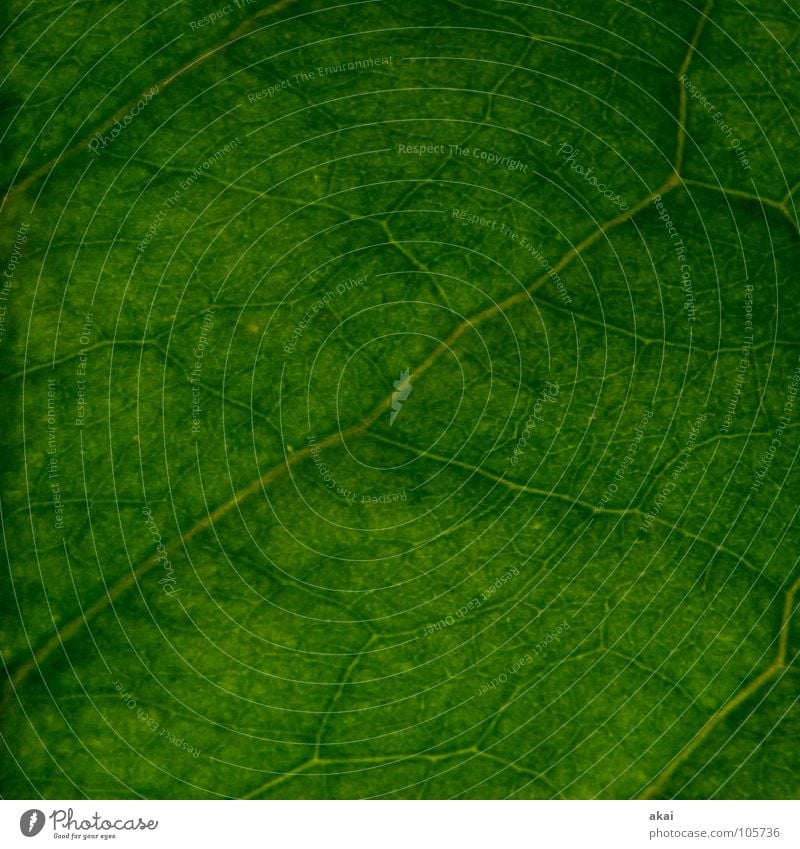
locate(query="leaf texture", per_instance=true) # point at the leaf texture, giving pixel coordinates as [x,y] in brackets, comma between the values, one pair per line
[400,399]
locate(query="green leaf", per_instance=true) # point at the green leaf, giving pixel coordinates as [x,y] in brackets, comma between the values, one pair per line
[400,400]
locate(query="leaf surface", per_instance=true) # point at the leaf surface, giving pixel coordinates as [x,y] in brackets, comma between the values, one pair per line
[401,400]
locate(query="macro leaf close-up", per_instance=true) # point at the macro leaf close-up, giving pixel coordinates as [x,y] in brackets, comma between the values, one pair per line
[401,399]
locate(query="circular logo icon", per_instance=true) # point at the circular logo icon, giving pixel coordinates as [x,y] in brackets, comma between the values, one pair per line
[31,822]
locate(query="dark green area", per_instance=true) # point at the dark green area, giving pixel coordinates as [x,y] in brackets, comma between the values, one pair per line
[295,638]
